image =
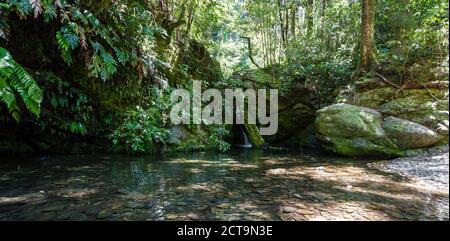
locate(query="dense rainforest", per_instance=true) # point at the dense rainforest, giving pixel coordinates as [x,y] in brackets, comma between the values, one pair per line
[361,112]
[84,76]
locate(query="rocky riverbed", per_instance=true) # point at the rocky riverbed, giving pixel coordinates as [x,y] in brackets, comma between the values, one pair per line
[237,186]
[430,168]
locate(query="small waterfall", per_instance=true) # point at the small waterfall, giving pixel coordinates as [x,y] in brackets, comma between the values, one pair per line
[245,139]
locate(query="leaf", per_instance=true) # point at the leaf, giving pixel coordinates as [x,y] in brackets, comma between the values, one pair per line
[67,41]
[15,80]
[37,7]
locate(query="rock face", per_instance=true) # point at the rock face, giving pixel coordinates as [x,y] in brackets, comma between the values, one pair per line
[183,138]
[295,115]
[381,120]
[177,135]
[294,118]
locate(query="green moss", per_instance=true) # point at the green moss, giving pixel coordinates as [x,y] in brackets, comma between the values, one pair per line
[359,147]
[253,135]
[377,97]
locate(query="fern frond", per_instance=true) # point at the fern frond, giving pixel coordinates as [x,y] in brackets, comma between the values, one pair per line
[67,40]
[109,63]
[49,10]
[36,6]
[15,79]
[122,56]
[23,8]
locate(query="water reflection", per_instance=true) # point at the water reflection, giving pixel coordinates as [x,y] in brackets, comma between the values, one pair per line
[242,185]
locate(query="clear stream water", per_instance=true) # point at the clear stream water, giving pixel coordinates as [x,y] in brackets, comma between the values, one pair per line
[242,185]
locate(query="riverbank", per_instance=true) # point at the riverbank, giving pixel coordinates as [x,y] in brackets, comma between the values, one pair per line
[430,169]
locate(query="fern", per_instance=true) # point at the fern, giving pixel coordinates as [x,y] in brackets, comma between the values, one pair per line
[49,10]
[67,40]
[122,56]
[36,6]
[103,65]
[109,63]
[80,27]
[15,80]
[23,7]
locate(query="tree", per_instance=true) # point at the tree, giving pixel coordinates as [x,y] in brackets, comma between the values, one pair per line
[309,17]
[368,48]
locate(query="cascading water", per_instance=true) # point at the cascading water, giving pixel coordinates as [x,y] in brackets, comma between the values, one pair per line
[246,141]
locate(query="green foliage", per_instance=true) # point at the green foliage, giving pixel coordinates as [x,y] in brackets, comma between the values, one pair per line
[70,107]
[193,145]
[133,46]
[104,43]
[217,137]
[212,139]
[15,80]
[413,40]
[103,65]
[142,131]
[67,40]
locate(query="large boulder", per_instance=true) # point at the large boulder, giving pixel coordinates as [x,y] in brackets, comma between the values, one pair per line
[354,131]
[360,131]
[416,114]
[177,135]
[409,135]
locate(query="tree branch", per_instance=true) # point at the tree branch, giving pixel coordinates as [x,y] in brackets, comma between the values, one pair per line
[387,81]
[250,52]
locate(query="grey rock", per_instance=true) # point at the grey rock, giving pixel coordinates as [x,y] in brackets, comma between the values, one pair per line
[409,135]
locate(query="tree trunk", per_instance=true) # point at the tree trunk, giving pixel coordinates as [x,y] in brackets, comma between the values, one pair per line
[309,17]
[190,18]
[293,19]
[368,48]
[280,15]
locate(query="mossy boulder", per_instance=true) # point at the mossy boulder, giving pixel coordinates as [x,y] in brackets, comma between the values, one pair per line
[422,109]
[353,131]
[409,135]
[360,131]
[187,138]
[416,116]
[177,135]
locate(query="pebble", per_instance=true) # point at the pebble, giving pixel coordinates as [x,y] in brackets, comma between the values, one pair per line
[223,206]
[93,210]
[104,214]
[304,212]
[193,216]
[289,209]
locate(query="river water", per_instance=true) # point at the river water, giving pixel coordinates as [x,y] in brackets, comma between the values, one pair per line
[242,185]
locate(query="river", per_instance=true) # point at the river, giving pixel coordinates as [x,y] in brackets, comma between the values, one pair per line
[241,185]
